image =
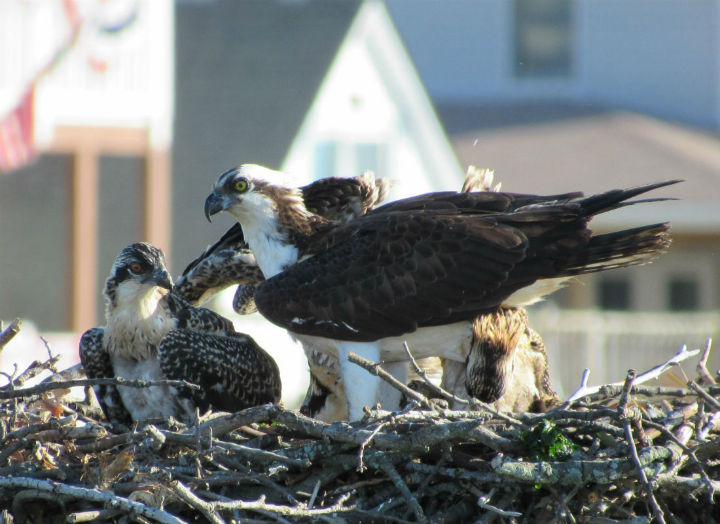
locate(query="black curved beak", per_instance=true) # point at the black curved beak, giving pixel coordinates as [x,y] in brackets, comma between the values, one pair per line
[161,278]
[213,205]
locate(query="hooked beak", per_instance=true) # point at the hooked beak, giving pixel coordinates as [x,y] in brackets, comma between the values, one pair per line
[161,278]
[213,205]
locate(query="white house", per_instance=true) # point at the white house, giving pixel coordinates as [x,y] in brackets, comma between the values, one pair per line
[372,112]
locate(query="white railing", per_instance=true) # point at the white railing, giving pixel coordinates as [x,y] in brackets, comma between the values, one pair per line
[610,343]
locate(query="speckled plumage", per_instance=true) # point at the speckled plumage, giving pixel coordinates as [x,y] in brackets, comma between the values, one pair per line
[153,334]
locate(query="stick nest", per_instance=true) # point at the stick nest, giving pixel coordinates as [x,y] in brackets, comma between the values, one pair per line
[624,453]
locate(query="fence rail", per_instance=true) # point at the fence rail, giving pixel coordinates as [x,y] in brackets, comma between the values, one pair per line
[610,343]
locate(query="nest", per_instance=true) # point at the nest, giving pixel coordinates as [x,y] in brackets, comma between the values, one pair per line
[620,453]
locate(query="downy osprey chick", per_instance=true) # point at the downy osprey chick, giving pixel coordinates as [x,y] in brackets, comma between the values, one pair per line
[152,334]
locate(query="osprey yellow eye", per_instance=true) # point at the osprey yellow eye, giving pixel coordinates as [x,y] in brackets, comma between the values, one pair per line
[136,268]
[241,185]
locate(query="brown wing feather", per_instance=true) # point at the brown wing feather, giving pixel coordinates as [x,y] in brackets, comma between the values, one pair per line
[390,272]
[393,274]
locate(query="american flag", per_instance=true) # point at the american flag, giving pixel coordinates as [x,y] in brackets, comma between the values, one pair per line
[16,134]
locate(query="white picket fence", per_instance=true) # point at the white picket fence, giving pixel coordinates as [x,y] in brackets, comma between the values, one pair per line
[610,343]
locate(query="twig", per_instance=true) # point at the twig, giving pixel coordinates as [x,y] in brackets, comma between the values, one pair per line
[689,452]
[702,364]
[88,516]
[54,423]
[118,381]
[391,472]
[314,494]
[206,508]
[584,390]
[361,467]
[377,370]
[483,500]
[94,495]
[701,393]
[301,511]
[657,511]
[9,332]
[33,370]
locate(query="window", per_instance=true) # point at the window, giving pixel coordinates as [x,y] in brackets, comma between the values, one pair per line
[370,156]
[543,38]
[325,160]
[683,294]
[349,158]
[614,293]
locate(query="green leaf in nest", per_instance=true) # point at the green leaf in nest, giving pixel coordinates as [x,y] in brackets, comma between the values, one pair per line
[547,442]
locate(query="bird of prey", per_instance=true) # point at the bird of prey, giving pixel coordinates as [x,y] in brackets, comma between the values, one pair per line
[151,333]
[417,270]
[230,261]
[506,365]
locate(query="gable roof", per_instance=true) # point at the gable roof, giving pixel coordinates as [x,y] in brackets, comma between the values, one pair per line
[246,74]
[264,63]
[556,147]
[372,60]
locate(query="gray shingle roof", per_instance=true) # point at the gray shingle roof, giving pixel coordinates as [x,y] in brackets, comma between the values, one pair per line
[553,147]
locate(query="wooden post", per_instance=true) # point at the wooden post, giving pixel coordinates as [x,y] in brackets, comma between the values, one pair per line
[157,197]
[84,239]
[86,144]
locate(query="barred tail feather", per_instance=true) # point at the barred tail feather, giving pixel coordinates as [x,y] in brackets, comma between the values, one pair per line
[629,247]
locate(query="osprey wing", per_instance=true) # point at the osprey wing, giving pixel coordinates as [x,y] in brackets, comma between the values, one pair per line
[392,271]
[233,371]
[386,274]
[343,199]
[198,318]
[96,361]
[227,262]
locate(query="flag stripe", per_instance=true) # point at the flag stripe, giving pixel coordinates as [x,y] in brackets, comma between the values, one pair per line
[17,146]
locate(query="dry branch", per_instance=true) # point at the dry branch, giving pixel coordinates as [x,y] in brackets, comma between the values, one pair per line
[632,444]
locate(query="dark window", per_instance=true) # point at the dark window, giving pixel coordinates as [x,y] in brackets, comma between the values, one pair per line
[34,231]
[614,293]
[683,294]
[543,38]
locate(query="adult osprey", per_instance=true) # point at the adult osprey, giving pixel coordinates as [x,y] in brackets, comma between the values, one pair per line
[506,365]
[416,270]
[230,261]
[151,333]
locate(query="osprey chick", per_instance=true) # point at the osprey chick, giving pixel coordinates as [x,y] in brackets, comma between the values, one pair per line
[152,334]
[416,270]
